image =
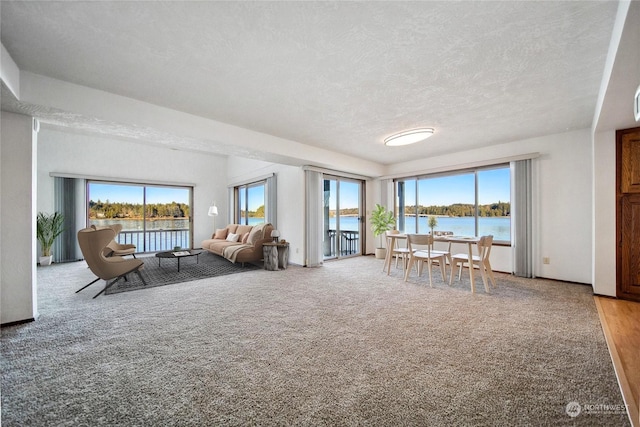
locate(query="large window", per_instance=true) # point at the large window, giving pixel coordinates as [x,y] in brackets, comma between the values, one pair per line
[250,203]
[471,203]
[154,218]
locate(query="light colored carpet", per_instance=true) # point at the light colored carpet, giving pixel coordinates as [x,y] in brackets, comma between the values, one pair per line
[343,344]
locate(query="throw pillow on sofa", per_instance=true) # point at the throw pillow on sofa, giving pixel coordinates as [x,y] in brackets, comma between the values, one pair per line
[257,233]
[231,237]
[221,233]
[243,229]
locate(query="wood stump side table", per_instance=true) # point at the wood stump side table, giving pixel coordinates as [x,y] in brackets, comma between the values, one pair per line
[276,255]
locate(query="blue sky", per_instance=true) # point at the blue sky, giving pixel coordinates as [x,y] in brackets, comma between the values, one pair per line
[493,186]
[348,194]
[134,194]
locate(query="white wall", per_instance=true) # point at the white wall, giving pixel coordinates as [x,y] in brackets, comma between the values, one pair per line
[604,213]
[563,183]
[562,199]
[94,156]
[614,111]
[127,116]
[290,198]
[18,287]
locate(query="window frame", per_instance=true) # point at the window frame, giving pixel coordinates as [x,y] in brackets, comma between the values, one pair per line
[239,210]
[144,186]
[401,219]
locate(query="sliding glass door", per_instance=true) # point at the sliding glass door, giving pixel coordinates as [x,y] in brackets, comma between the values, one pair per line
[167,218]
[342,217]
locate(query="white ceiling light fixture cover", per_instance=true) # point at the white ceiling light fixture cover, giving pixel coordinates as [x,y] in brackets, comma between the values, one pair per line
[408,137]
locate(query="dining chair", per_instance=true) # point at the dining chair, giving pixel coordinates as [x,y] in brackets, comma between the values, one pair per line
[481,260]
[399,252]
[420,252]
[446,253]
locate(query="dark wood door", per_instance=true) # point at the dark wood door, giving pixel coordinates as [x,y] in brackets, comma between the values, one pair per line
[628,213]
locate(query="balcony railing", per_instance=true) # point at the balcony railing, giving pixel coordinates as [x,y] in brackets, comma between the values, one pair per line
[349,243]
[155,240]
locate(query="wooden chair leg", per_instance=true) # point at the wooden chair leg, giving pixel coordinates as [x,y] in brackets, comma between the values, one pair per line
[406,273]
[453,266]
[483,273]
[443,270]
[490,271]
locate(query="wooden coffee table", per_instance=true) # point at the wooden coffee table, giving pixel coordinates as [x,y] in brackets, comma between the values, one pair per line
[178,255]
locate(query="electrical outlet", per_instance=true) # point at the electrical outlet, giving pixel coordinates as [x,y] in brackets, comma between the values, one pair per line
[546,260]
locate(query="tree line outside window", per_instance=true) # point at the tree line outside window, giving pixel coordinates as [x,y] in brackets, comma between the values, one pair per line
[473,202]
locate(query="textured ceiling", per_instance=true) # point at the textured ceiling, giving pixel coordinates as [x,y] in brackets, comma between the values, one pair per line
[336,75]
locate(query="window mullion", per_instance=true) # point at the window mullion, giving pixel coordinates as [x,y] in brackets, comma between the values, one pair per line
[144,218]
[475,176]
[416,217]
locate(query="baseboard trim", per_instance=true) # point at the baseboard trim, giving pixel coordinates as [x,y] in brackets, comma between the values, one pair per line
[17,322]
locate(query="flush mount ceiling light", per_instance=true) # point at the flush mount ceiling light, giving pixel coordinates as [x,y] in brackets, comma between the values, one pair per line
[408,137]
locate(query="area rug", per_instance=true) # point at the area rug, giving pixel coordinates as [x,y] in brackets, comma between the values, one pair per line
[166,271]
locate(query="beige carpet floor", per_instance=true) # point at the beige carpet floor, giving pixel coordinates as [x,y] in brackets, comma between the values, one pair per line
[343,344]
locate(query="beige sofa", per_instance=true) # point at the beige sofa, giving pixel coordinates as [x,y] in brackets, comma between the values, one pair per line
[239,243]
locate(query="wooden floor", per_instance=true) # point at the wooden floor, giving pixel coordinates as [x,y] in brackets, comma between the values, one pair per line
[621,325]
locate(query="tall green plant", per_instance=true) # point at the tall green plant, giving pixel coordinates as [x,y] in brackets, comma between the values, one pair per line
[48,228]
[381,221]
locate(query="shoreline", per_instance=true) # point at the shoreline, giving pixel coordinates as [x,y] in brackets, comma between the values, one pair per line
[168,218]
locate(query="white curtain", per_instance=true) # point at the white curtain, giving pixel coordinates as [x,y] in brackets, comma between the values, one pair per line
[271,200]
[69,200]
[231,202]
[521,218]
[313,228]
[386,193]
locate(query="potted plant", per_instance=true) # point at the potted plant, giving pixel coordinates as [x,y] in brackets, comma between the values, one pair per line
[382,221]
[48,228]
[433,223]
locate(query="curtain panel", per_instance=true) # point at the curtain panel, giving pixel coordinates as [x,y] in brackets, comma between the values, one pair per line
[271,199]
[314,203]
[521,218]
[68,194]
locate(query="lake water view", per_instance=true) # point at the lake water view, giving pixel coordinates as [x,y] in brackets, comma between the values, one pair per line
[499,227]
[161,235]
[138,224]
